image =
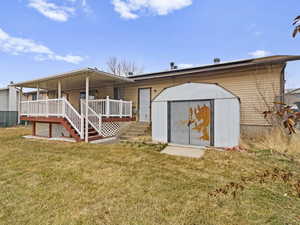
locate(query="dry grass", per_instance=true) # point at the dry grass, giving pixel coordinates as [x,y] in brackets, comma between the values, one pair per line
[67,183]
[278,141]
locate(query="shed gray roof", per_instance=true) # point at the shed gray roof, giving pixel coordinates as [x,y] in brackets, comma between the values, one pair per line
[194,91]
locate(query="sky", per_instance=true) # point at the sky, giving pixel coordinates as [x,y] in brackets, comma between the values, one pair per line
[44,37]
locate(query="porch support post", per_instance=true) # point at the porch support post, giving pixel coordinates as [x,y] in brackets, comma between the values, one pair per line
[59,90]
[87,89]
[38,92]
[107,106]
[20,105]
[121,107]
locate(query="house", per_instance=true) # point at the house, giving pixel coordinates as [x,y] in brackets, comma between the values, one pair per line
[292,97]
[114,100]
[8,106]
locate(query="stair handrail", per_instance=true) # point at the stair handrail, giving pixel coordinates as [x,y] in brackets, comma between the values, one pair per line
[97,125]
[73,117]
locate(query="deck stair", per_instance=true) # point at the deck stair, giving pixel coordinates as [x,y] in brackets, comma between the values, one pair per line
[73,133]
[134,130]
[93,134]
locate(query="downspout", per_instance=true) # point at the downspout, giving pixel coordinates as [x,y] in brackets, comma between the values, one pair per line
[282,84]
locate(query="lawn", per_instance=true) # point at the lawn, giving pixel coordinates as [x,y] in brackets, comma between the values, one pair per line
[68,183]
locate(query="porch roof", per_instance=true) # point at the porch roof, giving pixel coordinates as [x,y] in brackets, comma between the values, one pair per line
[75,80]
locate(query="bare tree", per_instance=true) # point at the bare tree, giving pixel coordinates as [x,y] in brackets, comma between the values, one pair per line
[122,67]
[297,28]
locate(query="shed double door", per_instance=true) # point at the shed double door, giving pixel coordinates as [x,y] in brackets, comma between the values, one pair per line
[190,123]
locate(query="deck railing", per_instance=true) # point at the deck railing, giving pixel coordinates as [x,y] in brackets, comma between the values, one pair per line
[54,108]
[111,107]
[62,108]
[94,119]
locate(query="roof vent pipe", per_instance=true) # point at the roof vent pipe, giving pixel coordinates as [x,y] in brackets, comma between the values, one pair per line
[217,60]
[172,66]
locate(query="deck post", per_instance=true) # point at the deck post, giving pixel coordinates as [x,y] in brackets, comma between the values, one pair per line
[107,106]
[121,108]
[38,98]
[82,120]
[87,89]
[38,92]
[47,107]
[59,89]
[130,113]
[63,108]
[20,105]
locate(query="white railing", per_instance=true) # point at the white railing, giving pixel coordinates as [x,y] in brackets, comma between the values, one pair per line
[51,107]
[94,119]
[54,107]
[74,118]
[62,108]
[111,107]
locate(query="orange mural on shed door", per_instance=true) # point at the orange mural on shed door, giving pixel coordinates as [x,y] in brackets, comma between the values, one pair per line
[202,122]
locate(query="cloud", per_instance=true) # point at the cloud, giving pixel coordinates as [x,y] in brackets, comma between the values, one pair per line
[17,46]
[131,9]
[259,53]
[62,12]
[51,10]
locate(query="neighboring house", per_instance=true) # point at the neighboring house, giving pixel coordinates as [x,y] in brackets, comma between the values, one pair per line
[256,82]
[8,106]
[292,97]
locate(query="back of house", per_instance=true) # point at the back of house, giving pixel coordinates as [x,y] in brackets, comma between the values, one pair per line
[112,99]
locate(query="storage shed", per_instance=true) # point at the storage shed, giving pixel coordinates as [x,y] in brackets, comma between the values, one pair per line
[8,106]
[196,114]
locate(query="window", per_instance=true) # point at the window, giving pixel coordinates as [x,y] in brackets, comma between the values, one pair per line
[34,96]
[92,94]
[118,93]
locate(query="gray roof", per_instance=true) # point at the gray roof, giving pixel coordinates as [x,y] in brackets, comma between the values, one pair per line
[219,66]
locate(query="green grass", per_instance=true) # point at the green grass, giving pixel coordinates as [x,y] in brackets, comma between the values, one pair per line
[69,183]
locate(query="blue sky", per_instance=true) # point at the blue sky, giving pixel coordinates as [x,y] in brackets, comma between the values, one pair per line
[44,37]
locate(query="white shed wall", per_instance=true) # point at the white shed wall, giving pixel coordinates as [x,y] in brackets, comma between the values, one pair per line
[160,122]
[226,123]
[9,99]
[13,99]
[4,100]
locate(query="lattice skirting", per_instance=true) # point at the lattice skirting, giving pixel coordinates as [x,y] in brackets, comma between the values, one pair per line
[110,129]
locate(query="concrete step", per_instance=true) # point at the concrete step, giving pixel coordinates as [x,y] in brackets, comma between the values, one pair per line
[124,138]
[135,129]
[135,133]
[94,138]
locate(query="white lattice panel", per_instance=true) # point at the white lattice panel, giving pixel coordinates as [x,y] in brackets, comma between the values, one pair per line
[110,129]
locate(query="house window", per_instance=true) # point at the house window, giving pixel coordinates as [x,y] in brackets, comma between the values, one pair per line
[92,94]
[118,93]
[34,97]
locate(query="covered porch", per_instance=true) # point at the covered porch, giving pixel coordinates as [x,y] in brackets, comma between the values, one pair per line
[67,95]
